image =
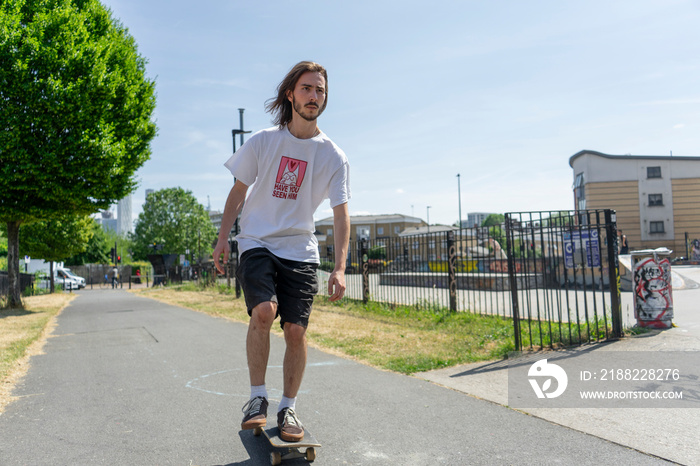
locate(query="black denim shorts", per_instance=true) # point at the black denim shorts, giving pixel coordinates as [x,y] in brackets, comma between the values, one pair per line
[292,285]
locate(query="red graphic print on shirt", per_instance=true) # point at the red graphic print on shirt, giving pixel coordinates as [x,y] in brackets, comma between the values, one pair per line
[289,178]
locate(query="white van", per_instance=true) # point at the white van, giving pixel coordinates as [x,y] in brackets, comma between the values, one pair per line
[67,275]
[62,279]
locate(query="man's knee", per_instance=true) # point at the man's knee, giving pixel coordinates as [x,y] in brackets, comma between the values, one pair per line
[294,334]
[264,315]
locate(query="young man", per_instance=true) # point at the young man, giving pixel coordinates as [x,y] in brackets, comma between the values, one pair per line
[292,168]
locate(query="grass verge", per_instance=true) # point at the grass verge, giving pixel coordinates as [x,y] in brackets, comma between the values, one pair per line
[401,339]
[22,333]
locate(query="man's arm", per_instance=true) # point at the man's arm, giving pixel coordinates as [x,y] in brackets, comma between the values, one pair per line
[341,234]
[234,204]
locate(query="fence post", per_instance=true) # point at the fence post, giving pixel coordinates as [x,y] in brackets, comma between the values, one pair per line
[613,272]
[365,270]
[451,270]
[513,282]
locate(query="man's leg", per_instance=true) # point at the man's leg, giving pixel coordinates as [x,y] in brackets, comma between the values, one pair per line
[290,427]
[258,341]
[294,358]
[258,352]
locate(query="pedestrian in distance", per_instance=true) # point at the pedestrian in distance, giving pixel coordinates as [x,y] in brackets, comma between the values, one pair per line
[292,168]
[115,277]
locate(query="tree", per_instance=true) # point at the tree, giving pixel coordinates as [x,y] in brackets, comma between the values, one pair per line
[493,220]
[75,114]
[56,239]
[172,218]
[97,249]
[3,251]
[377,252]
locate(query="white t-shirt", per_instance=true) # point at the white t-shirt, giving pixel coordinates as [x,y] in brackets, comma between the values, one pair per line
[288,179]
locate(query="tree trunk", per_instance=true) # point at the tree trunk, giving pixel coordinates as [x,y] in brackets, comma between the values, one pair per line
[52,288]
[15,293]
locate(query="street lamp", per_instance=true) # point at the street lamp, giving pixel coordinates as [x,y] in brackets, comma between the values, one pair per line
[459,198]
[428,209]
[240,131]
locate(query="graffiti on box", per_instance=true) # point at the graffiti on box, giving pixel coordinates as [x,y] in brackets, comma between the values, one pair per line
[653,298]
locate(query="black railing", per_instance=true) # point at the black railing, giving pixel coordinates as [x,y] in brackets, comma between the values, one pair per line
[548,271]
[459,270]
[571,260]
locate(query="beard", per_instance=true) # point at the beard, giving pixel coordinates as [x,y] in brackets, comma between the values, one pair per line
[304,113]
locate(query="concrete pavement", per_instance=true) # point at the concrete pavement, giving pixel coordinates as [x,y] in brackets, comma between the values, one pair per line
[128,380]
[667,433]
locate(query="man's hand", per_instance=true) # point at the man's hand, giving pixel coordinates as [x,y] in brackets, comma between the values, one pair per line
[222,247]
[336,285]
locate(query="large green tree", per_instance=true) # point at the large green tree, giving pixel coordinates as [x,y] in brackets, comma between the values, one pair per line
[97,249]
[493,220]
[56,239]
[172,218]
[75,113]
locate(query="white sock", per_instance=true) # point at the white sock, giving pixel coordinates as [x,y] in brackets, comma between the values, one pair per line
[287,403]
[258,390]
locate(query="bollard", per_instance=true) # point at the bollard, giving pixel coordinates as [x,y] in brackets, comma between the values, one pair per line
[652,287]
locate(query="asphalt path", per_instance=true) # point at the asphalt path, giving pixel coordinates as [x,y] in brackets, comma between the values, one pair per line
[129,380]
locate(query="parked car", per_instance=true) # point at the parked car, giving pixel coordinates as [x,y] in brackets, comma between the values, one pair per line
[62,279]
[67,273]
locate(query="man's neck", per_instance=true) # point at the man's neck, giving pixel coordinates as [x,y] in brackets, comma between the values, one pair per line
[302,129]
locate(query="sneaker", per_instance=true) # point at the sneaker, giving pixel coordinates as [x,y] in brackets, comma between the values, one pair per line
[289,425]
[255,413]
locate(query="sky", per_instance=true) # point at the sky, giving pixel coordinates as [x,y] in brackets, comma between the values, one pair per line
[502,92]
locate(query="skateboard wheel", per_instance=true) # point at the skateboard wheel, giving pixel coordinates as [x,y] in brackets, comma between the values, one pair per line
[310,454]
[257,431]
[275,458]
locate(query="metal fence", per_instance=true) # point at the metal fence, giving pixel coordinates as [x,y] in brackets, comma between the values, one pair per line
[26,282]
[567,262]
[460,270]
[548,271]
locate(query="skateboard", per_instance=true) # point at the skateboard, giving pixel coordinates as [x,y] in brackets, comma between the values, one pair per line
[290,450]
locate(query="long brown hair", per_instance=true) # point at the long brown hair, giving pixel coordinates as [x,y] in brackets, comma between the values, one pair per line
[280,106]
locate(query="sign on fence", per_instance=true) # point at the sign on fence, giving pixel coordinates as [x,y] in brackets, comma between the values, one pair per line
[579,245]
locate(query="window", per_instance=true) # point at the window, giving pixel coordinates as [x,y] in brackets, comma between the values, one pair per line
[656,199]
[362,232]
[397,230]
[653,172]
[656,227]
[329,232]
[380,230]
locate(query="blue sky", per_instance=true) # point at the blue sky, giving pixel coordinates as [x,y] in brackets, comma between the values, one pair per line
[501,92]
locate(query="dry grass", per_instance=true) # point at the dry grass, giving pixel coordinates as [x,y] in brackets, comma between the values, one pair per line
[23,333]
[405,340]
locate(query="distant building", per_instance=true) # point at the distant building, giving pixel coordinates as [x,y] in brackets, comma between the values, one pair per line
[372,227]
[475,219]
[124,220]
[656,198]
[107,220]
[215,216]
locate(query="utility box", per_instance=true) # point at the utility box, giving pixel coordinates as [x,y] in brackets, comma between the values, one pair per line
[652,288]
